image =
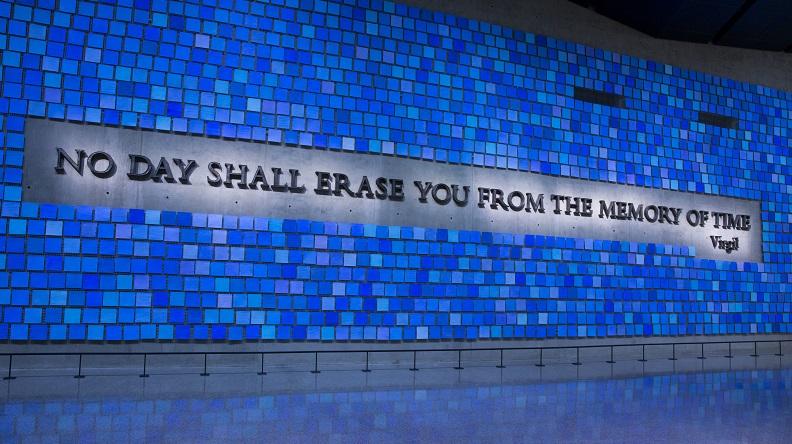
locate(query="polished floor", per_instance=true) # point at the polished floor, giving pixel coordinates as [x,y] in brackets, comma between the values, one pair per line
[714,400]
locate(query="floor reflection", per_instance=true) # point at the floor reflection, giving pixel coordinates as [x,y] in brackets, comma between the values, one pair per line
[713,400]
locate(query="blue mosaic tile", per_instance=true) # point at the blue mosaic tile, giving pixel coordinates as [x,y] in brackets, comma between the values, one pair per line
[373,76]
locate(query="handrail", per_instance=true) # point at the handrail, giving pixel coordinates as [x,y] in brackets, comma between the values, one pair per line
[414,352]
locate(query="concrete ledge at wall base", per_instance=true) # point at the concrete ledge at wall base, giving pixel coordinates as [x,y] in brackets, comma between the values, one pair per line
[300,357]
[275,346]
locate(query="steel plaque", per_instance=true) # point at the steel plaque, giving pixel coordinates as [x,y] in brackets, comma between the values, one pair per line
[92,165]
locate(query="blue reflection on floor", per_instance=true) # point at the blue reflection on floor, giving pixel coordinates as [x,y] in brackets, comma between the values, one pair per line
[750,404]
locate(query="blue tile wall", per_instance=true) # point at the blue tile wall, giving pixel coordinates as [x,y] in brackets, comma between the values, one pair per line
[375,77]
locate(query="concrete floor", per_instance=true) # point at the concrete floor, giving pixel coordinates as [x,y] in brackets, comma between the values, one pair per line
[743,399]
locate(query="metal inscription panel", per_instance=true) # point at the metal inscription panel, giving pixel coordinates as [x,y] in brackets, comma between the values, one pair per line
[165,188]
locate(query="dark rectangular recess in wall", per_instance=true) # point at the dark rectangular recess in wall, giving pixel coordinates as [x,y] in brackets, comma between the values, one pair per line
[717,120]
[600,97]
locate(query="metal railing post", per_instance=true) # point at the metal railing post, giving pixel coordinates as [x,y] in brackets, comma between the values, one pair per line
[261,371]
[145,359]
[577,358]
[541,358]
[459,361]
[367,370]
[643,353]
[500,364]
[611,361]
[10,362]
[702,352]
[316,363]
[205,372]
[414,368]
[501,360]
[730,356]
[79,374]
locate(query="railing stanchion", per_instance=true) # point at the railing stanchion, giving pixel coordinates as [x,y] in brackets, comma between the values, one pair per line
[730,352]
[316,363]
[501,360]
[414,368]
[145,374]
[79,374]
[10,362]
[459,360]
[262,372]
[611,361]
[366,370]
[205,372]
[145,359]
[643,353]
